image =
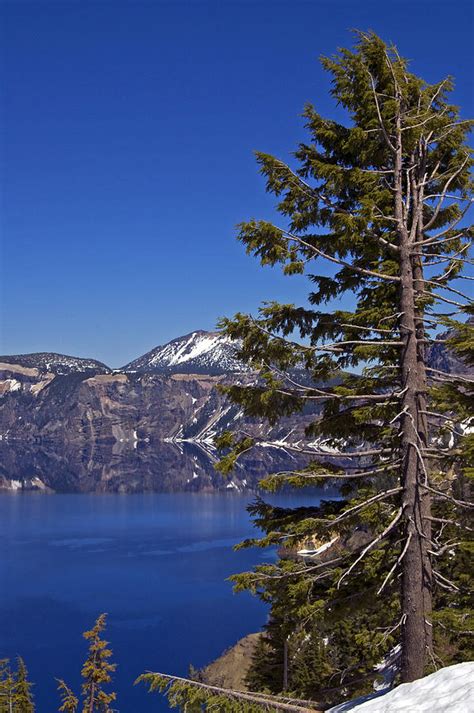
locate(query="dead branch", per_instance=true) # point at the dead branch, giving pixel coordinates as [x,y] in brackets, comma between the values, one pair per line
[371,544]
[457,377]
[360,506]
[441,579]
[436,296]
[265,700]
[389,575]
[443,195]
[439,493]
[336,476]
[379,115]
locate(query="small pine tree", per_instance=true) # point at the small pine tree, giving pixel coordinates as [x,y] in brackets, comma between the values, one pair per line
[6,686]
[15,688]
[69,701]
[97,671]
[22,696]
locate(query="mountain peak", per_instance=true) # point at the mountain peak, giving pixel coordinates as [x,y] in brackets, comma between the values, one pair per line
[56,363]
[197,352]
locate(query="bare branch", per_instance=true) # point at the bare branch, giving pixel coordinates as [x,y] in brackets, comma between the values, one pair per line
[461,503]
[437,415]
[379,115]
[443,195]
[335,476]
[360,506]
[389,575]
[265,700]
[450,522]
[331,347]
[435,239]
[369,329]
[450,128]
[457,377]
[346,454]
[445,548]
[448,288]
[436,296]
[322,394]
[370,545]
[450,585]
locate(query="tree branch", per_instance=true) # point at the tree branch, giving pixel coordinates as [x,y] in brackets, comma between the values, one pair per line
[370,545]
[338,261]
[389,575]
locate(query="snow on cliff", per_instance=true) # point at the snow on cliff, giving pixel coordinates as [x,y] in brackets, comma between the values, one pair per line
[449,690]
[198,352]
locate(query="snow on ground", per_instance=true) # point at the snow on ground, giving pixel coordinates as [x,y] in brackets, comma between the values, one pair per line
[449,690]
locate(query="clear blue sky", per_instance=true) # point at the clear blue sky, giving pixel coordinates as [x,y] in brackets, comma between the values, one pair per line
[127,132]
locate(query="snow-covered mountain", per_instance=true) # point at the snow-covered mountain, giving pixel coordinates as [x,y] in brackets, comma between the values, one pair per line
[197,353]
[59,364]
[164,404]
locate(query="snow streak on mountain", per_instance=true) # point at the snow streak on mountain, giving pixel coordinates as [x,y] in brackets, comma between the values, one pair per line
[196,353]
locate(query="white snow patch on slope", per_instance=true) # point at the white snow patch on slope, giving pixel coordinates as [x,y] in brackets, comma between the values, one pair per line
[449,690]
[10,385]
[312,553]
[204,351]
[193,348]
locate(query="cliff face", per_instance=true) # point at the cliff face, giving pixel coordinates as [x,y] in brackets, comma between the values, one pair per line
[71,424]
[118,407]
[124,432]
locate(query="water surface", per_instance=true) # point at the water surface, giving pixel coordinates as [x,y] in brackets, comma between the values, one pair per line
[157,563]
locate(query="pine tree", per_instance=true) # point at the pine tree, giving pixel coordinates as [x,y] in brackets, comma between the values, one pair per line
[383,202]
[22,696]
[15,688]
[69,701]
[97,671]
[334,638]
[7,683]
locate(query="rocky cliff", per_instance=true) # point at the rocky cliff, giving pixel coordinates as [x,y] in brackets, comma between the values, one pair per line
[124,431]
[70,424]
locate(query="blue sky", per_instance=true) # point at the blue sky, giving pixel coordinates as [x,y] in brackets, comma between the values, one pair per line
[127,132]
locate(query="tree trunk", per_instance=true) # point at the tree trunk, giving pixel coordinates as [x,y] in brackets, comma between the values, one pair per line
[416,566]
[416,570]
[423,429]
[285,664]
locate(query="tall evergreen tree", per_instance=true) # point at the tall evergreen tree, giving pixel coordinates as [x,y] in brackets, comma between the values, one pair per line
[97,670]
[383,201]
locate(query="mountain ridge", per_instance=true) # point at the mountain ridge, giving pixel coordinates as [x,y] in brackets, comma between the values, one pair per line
[160,418]
[199,352]
[55,363]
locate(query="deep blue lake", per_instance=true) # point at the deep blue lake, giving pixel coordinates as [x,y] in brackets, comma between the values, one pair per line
[156,563]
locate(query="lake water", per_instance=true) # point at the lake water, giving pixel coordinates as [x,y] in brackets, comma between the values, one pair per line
[156,563]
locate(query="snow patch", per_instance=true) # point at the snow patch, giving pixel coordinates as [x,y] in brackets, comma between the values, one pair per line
[449,690]
[205,352]
[312,553]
